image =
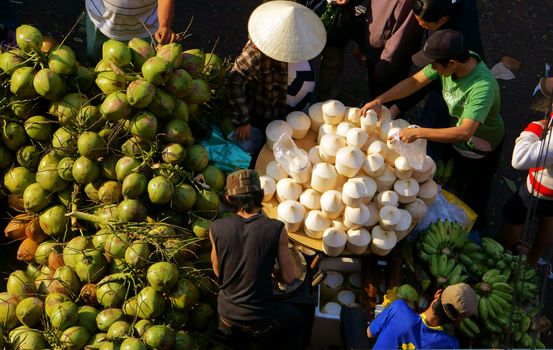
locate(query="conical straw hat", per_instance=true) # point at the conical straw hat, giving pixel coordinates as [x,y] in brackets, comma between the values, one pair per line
[287,31]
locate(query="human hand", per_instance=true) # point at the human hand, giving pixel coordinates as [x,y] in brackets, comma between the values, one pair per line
[165,35]
[242,132]
[375,105]
[342,2]
[408,135]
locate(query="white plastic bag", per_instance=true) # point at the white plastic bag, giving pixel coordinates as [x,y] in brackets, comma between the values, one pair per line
[293,160]
[414,152]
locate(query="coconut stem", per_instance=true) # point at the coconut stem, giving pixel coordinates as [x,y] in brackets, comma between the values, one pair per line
[87,217]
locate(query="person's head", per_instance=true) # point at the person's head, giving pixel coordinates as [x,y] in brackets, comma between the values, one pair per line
[445,50]
[244,191]
[286,31]
[453,304]
[433,14]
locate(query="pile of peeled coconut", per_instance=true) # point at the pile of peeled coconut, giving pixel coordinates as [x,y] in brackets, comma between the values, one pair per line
[353,190]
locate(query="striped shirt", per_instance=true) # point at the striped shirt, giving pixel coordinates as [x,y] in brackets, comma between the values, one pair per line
[124,19]
[257,88]
[301,84]
[526,155]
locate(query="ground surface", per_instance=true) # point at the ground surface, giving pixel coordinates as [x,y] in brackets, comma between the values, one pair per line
[517,28]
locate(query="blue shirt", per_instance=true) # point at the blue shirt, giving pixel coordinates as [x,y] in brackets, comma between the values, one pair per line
[399,327]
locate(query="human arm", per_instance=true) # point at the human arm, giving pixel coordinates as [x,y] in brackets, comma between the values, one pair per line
[402,89]
[454,134]
[528,145]
[214,260]
[286,272]
[165,15]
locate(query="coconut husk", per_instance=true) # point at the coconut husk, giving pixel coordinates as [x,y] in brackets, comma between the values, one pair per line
[55,260]
[16,227]
[27,250]
[34,231]
[15,202]
[88,294]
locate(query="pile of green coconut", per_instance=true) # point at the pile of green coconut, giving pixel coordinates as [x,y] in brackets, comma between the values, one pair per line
[111,195]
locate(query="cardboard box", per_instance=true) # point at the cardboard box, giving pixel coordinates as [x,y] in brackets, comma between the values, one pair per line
[326,327]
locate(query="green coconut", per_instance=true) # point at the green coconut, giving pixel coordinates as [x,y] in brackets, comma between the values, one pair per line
[179,83]
[107,317]
[156,70]
[53,220]
[66,280]
[181,110]
[49,84]
[183,341]
[64,315]
[65,169]
[173,153]
[43,251]
[163,276]
[27,156]
[85,170]
[149,303]
[111,294]
[8,315]
[28,38]
[115,106]
[144,125]
[131,210]
[159,337]
[74,248]
[207,203]
[132,344]
[193,61]
[47,175]
[110,82]
[141,50]
[64,142]
[90,118]
[119,330]
[10,61]
[29,311]
[137,254]
[14,135]
[116,52]
[74,338]
[200,227]
[66,108]
[185,295]
[162,105]
[160,190]
[214,177]
[184,198]
[91,266]
[27,339]
[52,300]
[178,131]
[35,198]
[197,158]
[200,92]
[87,318]
[134,185]
[140,93]
[201,315]
[142,326]
[62,60]
[125,166]
[21,84]
[116,245]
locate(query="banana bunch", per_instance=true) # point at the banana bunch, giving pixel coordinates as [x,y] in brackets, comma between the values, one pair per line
[469,327]
[494,300]
[446,270]
[527,286]
[473,258]
[443,171]
[442,237]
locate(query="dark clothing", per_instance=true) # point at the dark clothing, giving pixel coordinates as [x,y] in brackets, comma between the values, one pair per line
[516,208]
[257,87]
[246,250]
[465,20]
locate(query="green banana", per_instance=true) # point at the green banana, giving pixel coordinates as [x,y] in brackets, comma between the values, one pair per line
[470,247]
[442,264]
[434,264]
[483,309]
[473,326]
[455,275]
[424,256]
[503,295]
[466,330]
[517,335]
[432,238]
[495,279]
[489,274]
[501,303]
[525,323]
[526,340]
[539,344]
[450,265]
[491,326]
[428,248]
[496,309]
[503,287]
[491,246]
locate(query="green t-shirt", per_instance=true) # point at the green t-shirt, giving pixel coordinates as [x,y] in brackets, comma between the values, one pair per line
[476,97]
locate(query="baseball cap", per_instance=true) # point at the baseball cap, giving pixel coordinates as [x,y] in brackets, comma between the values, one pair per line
[242,182]
[442,45]
[461,298]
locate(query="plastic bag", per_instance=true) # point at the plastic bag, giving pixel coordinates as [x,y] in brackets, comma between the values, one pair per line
[446,206]
[293,160]
[414,152]
[225,154]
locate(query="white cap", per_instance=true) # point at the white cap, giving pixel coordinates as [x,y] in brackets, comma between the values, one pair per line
[287,31]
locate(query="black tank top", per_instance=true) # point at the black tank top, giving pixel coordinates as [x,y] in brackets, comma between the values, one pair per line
[246,251]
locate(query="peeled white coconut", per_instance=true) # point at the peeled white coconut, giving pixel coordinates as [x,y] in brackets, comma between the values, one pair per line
[275,170]
[369,121]
[385,113]
[358,240]
[315,224]
[385,181]
[403,168]
[391,143]
[333,112]
[417,209]
[355,217]
[400,123]
[378,147]
[300,123]
[349,160]
[426,172]
[332,308]
[314,156]
[345,298]
[353,115]
[269,187]
[389,217]
[331,204]
[383,129]
[355,280]
[338,223]
[373,165]
[406,190]
[382,241]
[325,129]
[275,129]
[334,241]
[329,146]
[369,185]
[402,227]
[391,157]
[288,189]
[323,177]
[357,137]
[343,128]
[300,167]
[353,193]
[428,191]
[311,199]
[373,217]
[385,198]
[331,285]
[316,115]
[292,214]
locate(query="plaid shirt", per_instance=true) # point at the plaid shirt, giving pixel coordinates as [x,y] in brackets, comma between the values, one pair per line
[257,88]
